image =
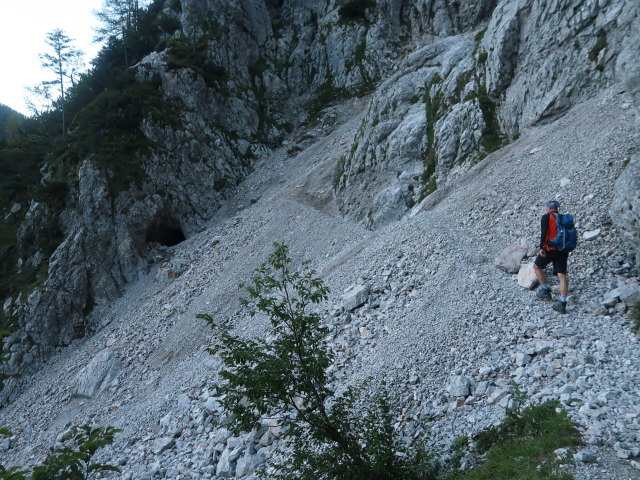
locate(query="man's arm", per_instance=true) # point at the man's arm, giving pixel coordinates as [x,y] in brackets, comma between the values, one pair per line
[544,225]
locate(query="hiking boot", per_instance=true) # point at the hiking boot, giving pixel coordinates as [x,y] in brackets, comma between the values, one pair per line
[543,294]
[560,307]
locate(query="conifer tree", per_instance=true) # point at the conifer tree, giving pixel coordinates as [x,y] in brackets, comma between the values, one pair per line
[120,19]
[59,60]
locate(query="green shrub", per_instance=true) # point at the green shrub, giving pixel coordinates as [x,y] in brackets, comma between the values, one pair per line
[492,139]
[220,184]
[288,378]
[183,53]
[480,35]
[168,23]
[53,193]
[72,461]
[355,10]
[258,68]
[338,172]
[635,315]
[522,447]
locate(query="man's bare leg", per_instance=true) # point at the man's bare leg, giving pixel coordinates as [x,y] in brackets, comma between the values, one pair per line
[564,284]
[539,274]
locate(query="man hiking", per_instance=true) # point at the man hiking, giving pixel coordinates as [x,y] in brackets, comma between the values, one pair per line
[548,255]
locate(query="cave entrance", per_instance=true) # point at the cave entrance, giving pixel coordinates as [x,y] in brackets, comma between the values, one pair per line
[165,232]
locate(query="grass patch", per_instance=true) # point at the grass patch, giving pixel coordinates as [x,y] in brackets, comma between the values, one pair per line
[492,139]
[220,184]
[339,172]
[480,35]
[294,150]
[522,446]
[635,315]
[326,94]
[432,107]
[461,82]
[359,54]
[600,45]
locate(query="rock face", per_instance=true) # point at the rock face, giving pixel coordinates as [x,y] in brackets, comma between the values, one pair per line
[272,75]
[463,96]
[626,206]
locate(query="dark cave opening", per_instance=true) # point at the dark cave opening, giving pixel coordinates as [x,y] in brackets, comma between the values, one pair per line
[165,233]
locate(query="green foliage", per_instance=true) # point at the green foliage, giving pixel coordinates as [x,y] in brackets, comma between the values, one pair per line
[52,193]
[339,172]
[258,68]
[185,53]
[458,449]
[10,121]
[492,139]
[326,93]
[600,45]
[461,82]
[432,102]
[3,358]
[108,130]
[522,446]
[635,314]
[105,108]
[359,54]
[285,375]
[480,35]
[72,461]
[220,184]
[355,10]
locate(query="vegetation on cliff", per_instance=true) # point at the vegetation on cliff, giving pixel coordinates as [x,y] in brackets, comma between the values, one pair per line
[104,108]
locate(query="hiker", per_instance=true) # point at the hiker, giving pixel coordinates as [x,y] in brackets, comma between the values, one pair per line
[549,255]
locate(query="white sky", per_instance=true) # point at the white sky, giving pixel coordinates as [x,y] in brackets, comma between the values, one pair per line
[23,29]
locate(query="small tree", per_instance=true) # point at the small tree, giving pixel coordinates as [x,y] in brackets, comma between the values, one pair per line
[59,61]
[121,20]
[70,462]
[286,376]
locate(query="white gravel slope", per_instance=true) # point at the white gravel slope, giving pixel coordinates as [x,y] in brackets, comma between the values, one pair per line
[438,306]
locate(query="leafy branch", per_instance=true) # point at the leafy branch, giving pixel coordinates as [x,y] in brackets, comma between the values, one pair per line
[285,375]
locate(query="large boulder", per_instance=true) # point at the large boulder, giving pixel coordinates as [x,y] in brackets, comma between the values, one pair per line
[355,297]
[510,258]
[527,276]
[459,386]
[97,375]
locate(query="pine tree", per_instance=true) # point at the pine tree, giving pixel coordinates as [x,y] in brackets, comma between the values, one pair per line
[120,19]
[59,62]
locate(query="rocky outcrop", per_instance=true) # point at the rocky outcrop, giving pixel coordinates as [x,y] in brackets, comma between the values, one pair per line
[625,207]
[463,96]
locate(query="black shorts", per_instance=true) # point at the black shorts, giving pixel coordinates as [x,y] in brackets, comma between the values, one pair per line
[559,260]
